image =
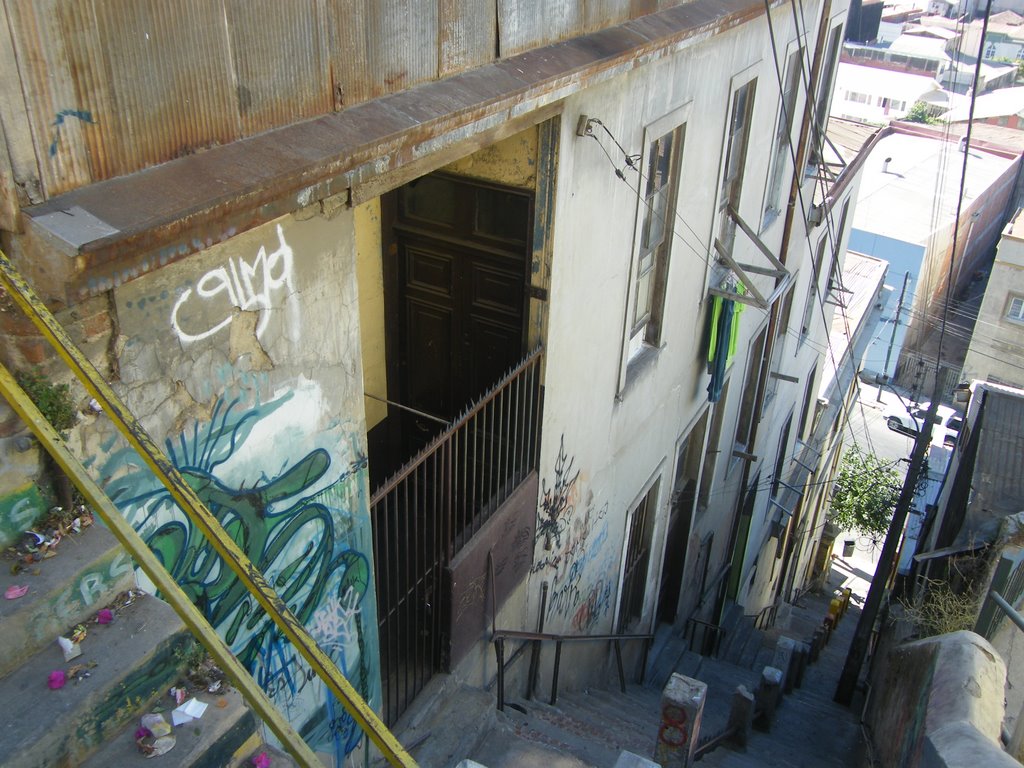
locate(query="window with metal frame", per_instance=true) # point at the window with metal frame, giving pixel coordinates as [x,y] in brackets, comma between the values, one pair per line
[735,161]
[783,131]
[746,418]
[657,215]
[812,289]
[824,96]
[1015,311]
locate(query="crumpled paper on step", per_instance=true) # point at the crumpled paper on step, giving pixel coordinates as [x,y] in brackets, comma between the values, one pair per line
[191,710]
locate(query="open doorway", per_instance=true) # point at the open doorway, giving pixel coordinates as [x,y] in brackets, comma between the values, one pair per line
[456,274]
[689,458]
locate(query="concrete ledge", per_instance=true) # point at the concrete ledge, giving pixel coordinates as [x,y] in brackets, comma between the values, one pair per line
[942,704]
[960,744]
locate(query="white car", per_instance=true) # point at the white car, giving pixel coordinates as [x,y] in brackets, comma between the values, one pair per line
[910,422]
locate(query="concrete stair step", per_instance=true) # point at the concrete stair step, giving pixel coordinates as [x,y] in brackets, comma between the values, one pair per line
[635,724]
[445,723]
[736,640]
[88,571]
[666,658]
[505,748]
[752,649]
[572,731]
[278,758]
[137,660]
[210,742]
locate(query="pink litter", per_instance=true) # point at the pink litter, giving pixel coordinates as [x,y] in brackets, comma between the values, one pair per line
[15,591]
[57,679]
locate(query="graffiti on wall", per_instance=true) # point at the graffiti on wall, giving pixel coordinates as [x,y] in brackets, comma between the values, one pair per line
[572,533]
[18,511]
[302,521]
[239,284]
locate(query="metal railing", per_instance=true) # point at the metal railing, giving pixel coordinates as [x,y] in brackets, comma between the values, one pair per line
[187,499]
[430,509]
[535,639]
[1008,609]
[765,618]
[711,636]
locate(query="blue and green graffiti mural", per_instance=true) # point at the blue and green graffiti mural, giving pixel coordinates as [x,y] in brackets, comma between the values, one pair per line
[304,525]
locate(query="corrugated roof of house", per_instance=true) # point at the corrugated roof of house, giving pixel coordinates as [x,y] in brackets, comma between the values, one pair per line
[996,485]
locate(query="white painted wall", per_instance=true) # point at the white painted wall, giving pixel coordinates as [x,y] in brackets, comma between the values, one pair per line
[995,349]
[612,445]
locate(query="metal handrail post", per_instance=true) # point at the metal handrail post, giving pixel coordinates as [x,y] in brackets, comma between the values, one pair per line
[554,675]
[185,496]
[618,664]
[499,652]
[154,569]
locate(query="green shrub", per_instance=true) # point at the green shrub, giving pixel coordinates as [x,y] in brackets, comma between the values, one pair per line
[53,400]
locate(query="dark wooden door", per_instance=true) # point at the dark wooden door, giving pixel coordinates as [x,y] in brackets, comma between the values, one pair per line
[460,276]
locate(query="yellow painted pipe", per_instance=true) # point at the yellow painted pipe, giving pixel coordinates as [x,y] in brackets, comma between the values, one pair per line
[100,503]
[201,517]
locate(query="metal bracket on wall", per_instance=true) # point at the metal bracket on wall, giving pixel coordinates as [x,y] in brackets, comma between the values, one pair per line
[778,270]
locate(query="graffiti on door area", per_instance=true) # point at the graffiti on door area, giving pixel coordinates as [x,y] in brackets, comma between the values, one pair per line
[301,518]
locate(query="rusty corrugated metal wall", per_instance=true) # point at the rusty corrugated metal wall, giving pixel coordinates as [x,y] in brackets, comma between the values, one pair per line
[108,87]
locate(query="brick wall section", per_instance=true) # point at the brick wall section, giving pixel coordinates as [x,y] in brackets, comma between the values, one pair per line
[92,326]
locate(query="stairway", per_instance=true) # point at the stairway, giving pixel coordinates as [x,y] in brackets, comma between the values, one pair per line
[126,667]
[590,728]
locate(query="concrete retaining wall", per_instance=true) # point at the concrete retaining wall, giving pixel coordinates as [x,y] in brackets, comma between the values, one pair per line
[941,705]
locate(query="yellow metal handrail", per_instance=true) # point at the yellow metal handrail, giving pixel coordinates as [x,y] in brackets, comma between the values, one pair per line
[201,517]
[100,503]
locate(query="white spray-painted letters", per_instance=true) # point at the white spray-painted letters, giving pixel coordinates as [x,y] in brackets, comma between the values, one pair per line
[238,284]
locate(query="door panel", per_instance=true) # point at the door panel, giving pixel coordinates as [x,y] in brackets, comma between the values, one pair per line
[460,284]
[428,335]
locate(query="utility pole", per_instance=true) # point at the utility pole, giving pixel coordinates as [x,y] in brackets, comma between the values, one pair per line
[892,338]
[859,644]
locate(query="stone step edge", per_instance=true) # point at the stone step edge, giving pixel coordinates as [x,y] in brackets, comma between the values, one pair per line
[139,661]
[88,572]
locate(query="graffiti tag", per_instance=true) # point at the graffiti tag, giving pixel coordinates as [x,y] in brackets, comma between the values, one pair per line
[239,284]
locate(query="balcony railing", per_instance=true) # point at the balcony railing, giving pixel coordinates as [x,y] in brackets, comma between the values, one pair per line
[430,509]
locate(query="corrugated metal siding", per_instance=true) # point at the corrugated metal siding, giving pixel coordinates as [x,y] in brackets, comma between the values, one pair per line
[526,24]
[349,57]
[281,70]
[50,93]
[401,44]
[114,86]
[599,14]
[467,34]
[168,74]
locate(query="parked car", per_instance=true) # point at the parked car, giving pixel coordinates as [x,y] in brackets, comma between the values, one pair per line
[910,421]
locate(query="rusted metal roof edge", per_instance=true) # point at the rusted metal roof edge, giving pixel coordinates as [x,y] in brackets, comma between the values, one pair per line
[159,215]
